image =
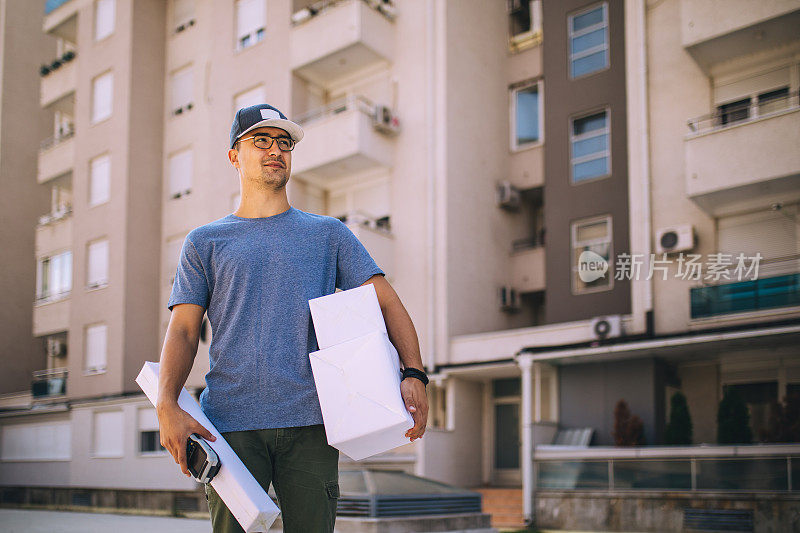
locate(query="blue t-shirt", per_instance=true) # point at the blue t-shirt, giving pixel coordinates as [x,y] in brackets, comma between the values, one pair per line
[255,276]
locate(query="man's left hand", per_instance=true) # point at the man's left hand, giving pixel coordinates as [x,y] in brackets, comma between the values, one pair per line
[416,401]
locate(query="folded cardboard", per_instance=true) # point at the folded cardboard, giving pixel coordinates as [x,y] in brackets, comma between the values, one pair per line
[249,503]
[358,384]
[346,315]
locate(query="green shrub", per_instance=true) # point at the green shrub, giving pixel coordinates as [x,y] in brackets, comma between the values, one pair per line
[733,419]
[679,427]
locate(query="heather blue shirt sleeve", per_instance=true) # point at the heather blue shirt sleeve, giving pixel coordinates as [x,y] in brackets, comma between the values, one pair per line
[191,283]
[354,265]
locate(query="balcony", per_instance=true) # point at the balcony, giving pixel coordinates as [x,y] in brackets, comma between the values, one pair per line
[56,156]
[527,266]
[51,314]
[48,384]
[59,79]
[332,40]
[735,155]
[54,231]
[378,242]
[526,168]
[340,140]
[713,33]
[776,285]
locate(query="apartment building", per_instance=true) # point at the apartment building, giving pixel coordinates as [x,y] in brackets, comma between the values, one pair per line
[484,153]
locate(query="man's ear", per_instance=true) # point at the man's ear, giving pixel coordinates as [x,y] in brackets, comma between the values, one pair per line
[233,157]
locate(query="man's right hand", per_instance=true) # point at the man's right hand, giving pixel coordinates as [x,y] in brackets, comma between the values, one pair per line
[176,425]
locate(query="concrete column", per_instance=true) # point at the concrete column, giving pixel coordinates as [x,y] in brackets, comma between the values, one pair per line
[525,366]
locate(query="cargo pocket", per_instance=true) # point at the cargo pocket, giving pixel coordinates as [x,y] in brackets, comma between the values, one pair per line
[332,488]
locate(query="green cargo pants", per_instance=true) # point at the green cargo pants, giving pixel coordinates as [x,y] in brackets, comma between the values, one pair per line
[302,467]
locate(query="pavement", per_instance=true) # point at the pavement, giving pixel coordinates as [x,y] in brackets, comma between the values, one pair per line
[36,521]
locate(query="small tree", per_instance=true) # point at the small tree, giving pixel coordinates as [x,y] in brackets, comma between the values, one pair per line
[679,427]
[784,421]
[733,419]
[628,428]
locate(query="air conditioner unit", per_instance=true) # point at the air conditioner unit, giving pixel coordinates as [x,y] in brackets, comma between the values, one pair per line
[56,347]
[507,196]
[384,121]
[509,300]
[675,239]
[604,327]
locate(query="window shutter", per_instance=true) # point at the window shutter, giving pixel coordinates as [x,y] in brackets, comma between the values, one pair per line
[96,345]
[771,233]
[180,172]
[104,19]
[108,431]
[252,97]
[98,263]
[182,12]
[148,420]
[100,174]
[250,16]
[102,95]
[181,88]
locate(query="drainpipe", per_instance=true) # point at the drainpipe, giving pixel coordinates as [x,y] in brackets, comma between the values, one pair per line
[526,365]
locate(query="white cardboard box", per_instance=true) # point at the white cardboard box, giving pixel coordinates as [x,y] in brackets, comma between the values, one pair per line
[358,383]
[346,315]
[249,503]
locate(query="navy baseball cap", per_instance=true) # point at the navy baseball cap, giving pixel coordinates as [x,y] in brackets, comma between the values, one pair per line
[259,116]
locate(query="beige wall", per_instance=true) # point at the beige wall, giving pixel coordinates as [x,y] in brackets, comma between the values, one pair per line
[23,124]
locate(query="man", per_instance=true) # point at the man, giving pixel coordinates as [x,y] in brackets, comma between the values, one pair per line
[253,272]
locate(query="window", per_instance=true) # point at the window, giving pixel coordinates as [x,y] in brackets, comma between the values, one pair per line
[526,113]
[108,429]
[524,19]
[54,276]
[99,180]
[104,19]
[149,435]
[180,174]
[734,111]
[250,97]
[182,15]
[588,41]
[97,272]
[250,22]
[592,235]
[102,94]
[95,348]
[743,108]
[590,155]
[181,97]
[38,442]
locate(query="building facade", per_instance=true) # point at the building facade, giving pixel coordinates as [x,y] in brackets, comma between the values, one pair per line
[489,172]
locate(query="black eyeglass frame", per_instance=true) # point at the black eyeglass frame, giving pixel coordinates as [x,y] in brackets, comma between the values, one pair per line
[291,142]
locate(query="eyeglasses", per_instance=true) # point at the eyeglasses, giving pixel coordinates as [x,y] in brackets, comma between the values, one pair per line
[263,141]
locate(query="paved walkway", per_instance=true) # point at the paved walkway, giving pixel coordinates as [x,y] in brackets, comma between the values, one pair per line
[31,521]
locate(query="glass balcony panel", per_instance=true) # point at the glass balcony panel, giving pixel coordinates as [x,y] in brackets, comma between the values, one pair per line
[742,474]
[566,475]
[661,475]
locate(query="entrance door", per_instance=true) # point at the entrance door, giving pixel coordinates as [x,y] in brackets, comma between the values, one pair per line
[507,441]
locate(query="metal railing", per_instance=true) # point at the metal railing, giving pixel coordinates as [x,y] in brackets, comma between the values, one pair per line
[357,102]
[384,7]
[64,134]
[62,212]
[49,383]
[773,468]
[753,109]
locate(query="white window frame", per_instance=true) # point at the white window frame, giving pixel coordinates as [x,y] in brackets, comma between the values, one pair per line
[118,437]
[112,7]
[254,36]
[99,114]
[99,328]
[50,274]
[100,282]
[539,84]
[180,187]
[535,7]
[575,244]
[571,57]
[95,165]
[590,157]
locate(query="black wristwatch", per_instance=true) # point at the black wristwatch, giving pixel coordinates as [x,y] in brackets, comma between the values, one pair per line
[415,373]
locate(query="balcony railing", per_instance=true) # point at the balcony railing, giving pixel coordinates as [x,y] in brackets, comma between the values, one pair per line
[49,383]
[358,102]
[773,468]
[778,285]
[64,134]
[62,212]
[384,7]
[753,109]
